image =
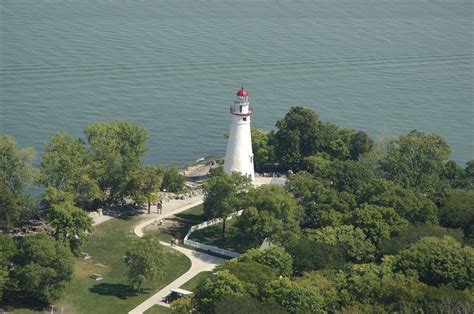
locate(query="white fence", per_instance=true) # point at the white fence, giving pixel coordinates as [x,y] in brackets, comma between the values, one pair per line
[211,248]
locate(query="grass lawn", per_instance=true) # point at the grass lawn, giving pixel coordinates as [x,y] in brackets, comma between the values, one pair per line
[178,225]
[158,309]
[212,236]
[107,245]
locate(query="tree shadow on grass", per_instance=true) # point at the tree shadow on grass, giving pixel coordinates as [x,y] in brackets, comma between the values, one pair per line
[121,291]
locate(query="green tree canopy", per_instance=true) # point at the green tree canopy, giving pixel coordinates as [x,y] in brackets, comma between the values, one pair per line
[215,288]
[221,195]
[145,260]
[262,147]
[115,149]
[173,181]
[297,136]
[378,223]
[354,242]
[294,296]
[416,160]
[275,257]
[42,268]
[147,183]
[408,203]
[66,167]
[16,172]
[457,211]
[70,223]
[438,262]
[269,212]
[247,304]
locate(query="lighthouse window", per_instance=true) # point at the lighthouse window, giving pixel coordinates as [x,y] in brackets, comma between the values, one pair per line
[251,159]
[240,109]
[245,119]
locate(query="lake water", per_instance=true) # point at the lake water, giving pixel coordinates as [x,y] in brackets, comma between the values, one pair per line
[173,67]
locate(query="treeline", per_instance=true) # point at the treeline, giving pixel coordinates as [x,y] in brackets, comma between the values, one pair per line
[360,227]
[40,236]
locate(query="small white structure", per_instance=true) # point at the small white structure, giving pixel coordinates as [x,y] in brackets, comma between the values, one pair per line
[239,155]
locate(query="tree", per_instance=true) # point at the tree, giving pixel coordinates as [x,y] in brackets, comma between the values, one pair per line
[354,242]
[438,262]
[457,211]
[296,137]
[221,194]
[262,147]
[7,251]
[42,268]
[321,286]
[16,169]
[309,255]
[66,167]
[115,149]
[323,205]
[215,288]
[252,274]
[275,257]
[361,144]
[294,297]
[414,233]
[416,160]
[238,305]
[149,181]
[173,181]
[9,207]
[270,211]
[183,305]
[378,223]
[378,284]
[408,203]
[70,223]
[16,172]
[145,260]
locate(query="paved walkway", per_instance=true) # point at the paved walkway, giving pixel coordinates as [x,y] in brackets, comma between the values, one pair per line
[199,261]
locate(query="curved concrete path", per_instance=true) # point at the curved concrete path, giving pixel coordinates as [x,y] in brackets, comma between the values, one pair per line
[199,261]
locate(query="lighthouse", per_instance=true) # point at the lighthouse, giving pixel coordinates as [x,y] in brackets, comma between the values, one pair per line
[239,155]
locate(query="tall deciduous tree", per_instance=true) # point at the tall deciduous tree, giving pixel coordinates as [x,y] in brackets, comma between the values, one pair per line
[42,268]
[353,240]
[145,260]
[457,211]
[378,223]
[116,150]
[221,195]
[148,181]
[438,262]
[297,136]
[416,160]
[16,172]
[215,288]
[173,181]
[70,223]
[275,257]
[67,168]
[270,211]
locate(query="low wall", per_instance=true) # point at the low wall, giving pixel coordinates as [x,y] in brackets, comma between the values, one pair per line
[206,247]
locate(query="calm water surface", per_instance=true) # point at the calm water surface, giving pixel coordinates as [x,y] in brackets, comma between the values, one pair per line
[173,67]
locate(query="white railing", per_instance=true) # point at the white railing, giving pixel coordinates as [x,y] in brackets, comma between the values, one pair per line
[211,248]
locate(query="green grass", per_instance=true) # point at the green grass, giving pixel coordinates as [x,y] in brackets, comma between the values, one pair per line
[158,309]
[212,236]
[107,246]
[178,225]
[192,284]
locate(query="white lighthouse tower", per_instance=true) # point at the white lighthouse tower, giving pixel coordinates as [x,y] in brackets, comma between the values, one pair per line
[239,156]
